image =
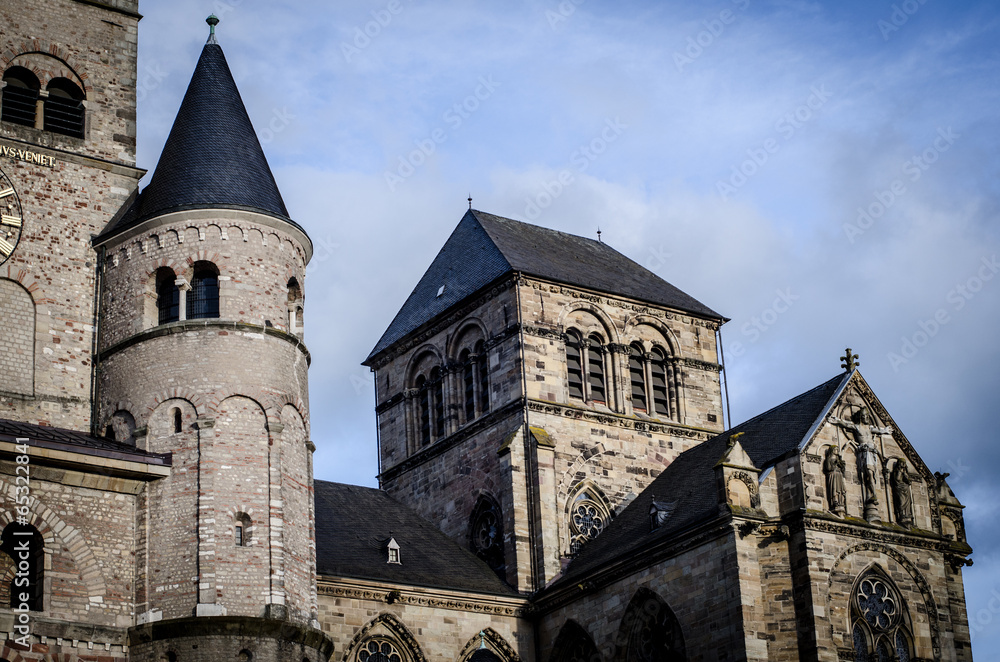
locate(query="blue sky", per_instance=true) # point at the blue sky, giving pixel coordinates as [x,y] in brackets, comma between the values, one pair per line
[729,146]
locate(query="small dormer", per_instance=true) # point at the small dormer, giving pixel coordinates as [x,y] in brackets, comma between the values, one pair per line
[392,549]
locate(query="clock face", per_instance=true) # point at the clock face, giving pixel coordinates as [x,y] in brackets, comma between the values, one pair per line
[11,218]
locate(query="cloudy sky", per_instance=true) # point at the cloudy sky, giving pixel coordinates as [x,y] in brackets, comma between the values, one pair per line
[826,174]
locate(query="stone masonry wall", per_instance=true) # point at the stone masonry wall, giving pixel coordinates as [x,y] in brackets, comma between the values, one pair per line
[72,197]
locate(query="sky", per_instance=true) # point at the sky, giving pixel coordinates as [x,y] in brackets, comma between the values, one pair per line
[824,174]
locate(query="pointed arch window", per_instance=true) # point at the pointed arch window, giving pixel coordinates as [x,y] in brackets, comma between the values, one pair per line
[650,630]
[573,644]
[486,534]
[20,96]
[64,110]
[168,296]
[880,623]
[203,299]
[587,519]
[379,649]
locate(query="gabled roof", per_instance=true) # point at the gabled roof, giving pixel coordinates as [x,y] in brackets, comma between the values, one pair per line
[354,525]
[688,485]
[212,158]
[484,248]
[79,442]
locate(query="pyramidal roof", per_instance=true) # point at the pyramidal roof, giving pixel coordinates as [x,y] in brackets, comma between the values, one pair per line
[212,158]
[485,247]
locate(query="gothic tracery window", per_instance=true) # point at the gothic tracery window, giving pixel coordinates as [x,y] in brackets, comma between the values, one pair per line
[587,520]
[486,534]
[650,630]
[573,644]
[379,650]
[879,620]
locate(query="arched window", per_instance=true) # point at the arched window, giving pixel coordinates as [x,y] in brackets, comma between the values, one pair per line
[637,377]
[587,518]
[203,299]
[424,410]
[22,543]
[486,534]
[574,364]
[595,369]
[379,649]
[468,384]
[245,656]
[177,419]
[168,296]
[483,367]
[660,380]
[64,112]
[294,306]
[880,624]
[650,631]
[573,644]
[20,96]
[242,526]
[438,384]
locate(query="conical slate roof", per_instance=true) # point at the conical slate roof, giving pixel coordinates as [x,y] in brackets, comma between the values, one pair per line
[212,158]
[485,247]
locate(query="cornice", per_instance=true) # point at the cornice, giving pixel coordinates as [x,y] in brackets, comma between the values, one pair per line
[406,594]
[193,325]
[620,420]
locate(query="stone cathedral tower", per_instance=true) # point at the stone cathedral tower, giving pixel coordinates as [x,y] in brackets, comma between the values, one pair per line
[201,356]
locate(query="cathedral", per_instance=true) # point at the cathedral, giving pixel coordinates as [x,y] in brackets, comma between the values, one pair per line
[556,480]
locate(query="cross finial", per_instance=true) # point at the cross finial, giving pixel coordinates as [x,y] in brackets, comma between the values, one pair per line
[470,201]
[849,361]
[212,21]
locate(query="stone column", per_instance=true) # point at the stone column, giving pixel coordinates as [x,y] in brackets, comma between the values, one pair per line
[182,288]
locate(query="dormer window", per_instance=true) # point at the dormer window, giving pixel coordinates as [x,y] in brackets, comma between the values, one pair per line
[659,512]
[393,549]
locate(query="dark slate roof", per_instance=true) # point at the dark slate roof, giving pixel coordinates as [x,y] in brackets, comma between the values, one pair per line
[79,442]
[688,484]
[484,247]
[353,527]
[212,158]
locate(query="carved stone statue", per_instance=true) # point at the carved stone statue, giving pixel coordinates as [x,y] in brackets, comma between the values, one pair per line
[902,493]
[836,487]
[868,459]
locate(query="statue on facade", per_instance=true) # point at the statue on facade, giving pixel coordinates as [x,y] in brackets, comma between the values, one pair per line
[869,465]
[836,487]
[902,493]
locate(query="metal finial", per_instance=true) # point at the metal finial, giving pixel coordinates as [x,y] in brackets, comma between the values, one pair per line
[849,361]
[212,21]
[470,201]
[482,640]
[599,235]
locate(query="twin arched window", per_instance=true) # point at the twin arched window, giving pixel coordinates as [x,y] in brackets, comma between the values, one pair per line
[62,106]
[465,386]
[198,299]
[879,621]
[590,374]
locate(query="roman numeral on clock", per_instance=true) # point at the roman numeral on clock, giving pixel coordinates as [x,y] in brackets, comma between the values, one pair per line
[14,221]
[6,248]
[7,192]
